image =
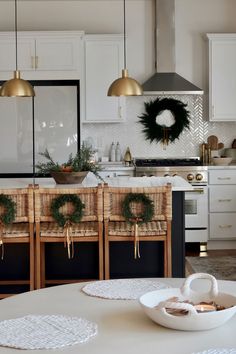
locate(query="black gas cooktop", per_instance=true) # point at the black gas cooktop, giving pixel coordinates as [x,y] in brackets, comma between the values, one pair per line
[168,162]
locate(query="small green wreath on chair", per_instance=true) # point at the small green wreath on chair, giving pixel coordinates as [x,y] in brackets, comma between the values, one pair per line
[10,210]
[148,208]
[140,218]
[74,217]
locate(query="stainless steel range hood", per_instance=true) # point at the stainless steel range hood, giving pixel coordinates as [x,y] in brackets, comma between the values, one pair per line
[166,80]
[169,83]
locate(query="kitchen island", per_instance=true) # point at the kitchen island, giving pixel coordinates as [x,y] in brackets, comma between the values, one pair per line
[84,264]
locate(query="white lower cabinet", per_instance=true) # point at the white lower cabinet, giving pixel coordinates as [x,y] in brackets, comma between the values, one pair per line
[223,226]
[222,204]
[222,199]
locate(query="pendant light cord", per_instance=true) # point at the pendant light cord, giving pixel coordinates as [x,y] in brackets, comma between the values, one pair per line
[16,33]
[124,39]
[33,139]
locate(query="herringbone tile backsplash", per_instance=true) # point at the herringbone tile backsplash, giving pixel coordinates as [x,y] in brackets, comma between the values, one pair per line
[129,133]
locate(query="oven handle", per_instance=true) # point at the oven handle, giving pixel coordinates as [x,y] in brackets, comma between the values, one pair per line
[196,190]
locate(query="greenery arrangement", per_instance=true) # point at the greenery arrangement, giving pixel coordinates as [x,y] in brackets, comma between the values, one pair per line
[82,161]
[161,132]
[148,208]
[10,209]
[74,217]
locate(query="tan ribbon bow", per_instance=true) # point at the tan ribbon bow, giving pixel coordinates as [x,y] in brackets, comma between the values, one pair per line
[1,238]
[136,242]
[69,239]
[165,139]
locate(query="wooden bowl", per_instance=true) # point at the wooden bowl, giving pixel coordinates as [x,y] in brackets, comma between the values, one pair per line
[69,177]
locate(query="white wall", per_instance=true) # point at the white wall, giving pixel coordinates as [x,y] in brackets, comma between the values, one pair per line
[193,20]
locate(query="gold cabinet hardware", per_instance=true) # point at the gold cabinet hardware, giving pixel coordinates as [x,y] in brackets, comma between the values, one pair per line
[32,62]
[120,112]
[196,190]
[36,62]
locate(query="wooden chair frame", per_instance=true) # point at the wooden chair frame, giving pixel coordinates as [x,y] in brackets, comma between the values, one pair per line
[24,199]
[113,197]
[92,197]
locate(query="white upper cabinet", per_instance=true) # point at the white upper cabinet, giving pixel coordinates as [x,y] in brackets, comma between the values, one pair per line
[222,77]
[103,64]
[8,52]
[59,54]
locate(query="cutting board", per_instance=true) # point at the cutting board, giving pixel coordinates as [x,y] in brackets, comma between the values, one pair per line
[220,146]
[212,142]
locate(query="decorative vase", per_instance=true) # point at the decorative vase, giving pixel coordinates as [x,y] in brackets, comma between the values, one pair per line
[69,177]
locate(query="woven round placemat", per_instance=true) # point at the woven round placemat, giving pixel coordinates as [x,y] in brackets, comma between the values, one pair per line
[45,331]
[218,351]
[122,289]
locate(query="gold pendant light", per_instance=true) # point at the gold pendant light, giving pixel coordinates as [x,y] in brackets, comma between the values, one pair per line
[16,87]
[125,85]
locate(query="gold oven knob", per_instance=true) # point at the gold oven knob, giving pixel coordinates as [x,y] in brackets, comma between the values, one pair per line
[199,177]
[190,177]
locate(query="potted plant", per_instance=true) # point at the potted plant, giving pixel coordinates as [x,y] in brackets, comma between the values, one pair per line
[74,170]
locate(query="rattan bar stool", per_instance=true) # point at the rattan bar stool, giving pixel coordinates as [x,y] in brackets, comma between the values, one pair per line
[88,229]
[20,230]
[157,229]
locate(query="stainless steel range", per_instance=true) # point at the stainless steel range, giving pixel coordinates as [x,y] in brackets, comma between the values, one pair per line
[190,169]
[196,201]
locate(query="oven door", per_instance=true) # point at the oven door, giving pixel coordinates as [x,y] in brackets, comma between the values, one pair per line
[196,214]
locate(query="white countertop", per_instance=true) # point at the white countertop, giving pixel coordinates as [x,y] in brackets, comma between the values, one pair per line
[178,183]
[232,166]
[123,327]
[115,166]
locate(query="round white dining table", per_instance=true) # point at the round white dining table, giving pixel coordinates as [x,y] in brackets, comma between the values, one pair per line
[123,327]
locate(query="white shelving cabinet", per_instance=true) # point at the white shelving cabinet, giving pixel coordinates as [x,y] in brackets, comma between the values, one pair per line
[222,76]
[103,64]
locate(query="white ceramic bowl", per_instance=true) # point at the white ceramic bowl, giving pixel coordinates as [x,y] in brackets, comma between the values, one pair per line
[221,161]
[154,303]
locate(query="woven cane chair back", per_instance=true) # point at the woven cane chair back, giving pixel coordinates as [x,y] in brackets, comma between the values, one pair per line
[88,229]
[90,197]
[20,230]
[157,229]
[23,198]
[161,197]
